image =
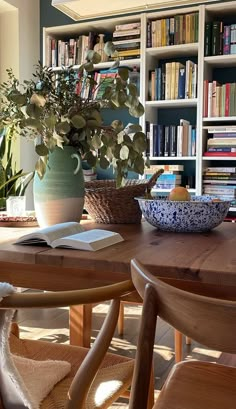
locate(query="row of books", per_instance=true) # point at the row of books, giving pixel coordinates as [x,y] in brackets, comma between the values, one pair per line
[173,80]
[220,182]
[102,79]
[180,29]
[172,140]
[69,52]
[219,100]
[220,38]
[126,39]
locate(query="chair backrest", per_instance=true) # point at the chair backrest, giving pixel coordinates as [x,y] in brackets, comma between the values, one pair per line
[88,369]
[204,312]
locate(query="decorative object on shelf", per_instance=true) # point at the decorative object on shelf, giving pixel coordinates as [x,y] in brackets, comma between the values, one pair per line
[200,214]
[99,48]
[106,204]
[12,182]
[49,110]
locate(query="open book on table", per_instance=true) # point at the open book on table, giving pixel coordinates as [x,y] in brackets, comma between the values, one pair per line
[71,235]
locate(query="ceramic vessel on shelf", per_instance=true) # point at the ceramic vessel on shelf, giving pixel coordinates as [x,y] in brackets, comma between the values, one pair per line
[199,214]
[99,48]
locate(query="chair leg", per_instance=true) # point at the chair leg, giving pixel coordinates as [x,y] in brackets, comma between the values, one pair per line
[178,346]
[121,319]
[188,341]
[150,402]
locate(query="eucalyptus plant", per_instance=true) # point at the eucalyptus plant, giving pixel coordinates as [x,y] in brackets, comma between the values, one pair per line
[50,110]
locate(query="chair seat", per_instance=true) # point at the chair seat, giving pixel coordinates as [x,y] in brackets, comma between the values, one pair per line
[199,385]
[40,350]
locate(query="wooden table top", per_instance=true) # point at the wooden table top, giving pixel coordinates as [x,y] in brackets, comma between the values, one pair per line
[209,257]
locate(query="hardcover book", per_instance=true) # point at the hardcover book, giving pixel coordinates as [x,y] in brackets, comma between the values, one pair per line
[71,235]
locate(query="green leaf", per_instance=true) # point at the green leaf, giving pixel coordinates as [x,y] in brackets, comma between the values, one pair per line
[17,98]
[33,123]
[89,66]
[40,168]
[78,121]
[117,125]
[91,159]
[124,152]
[96,141]
[103,162]
[94,57]
[51,121]
[139,165]
[139,142]
[123,73]
[41,150]
[33,111]
[109,48]
[132,90]
[63,127]
[136,111]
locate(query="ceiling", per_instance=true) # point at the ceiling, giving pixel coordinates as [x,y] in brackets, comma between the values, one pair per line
[4,6]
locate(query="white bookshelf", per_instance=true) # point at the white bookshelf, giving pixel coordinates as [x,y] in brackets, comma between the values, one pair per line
[149,60]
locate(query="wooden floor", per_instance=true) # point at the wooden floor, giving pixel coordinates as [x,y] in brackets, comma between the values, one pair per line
[52,325]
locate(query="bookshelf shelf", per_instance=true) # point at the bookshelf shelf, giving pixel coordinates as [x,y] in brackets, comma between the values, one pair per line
[221,158]
[172,103]
[104,65]
[173,51]
[220,119]
[220,61]
[172,158]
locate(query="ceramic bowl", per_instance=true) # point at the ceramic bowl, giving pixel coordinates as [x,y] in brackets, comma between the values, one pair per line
[198,215]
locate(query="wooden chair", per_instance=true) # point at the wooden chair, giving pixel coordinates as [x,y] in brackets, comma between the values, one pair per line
[206,313]
[89,368]
[178,335]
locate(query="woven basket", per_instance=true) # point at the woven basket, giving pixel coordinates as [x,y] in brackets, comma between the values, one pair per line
[107,204]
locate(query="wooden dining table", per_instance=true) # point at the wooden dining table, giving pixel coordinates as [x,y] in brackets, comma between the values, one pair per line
[208,257]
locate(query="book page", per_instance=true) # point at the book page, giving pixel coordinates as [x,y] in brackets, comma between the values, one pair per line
[89,240]
[51,233]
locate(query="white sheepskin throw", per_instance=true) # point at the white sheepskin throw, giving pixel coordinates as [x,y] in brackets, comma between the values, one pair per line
[24,382]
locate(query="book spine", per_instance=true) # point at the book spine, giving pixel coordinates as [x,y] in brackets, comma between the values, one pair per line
[208,39]
[129,26]
[226,40]
[173,140]
[149,34]
[167,141]
[216,37]
[181,85]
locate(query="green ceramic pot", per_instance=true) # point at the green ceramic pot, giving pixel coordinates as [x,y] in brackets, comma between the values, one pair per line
[59,196]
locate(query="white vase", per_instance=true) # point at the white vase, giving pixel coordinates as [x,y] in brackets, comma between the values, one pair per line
[99,48]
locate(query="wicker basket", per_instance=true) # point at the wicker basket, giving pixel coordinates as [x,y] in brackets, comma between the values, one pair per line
[107,204]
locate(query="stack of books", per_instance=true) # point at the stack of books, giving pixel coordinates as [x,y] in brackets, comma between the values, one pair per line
[126,39]
[89,174]
[173,80]
[167,180]
[220,38]
[220,182]
[221,141]
[219,100]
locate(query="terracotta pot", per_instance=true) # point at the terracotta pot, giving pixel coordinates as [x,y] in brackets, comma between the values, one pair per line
[59,196]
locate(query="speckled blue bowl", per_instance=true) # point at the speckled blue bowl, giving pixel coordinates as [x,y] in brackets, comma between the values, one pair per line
[198,215]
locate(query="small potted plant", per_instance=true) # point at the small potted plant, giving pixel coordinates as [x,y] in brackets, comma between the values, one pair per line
[50,110]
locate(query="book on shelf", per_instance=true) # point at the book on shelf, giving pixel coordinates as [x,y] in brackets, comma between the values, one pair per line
[128,26]
[219,154]
[221,169]
[71,235]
